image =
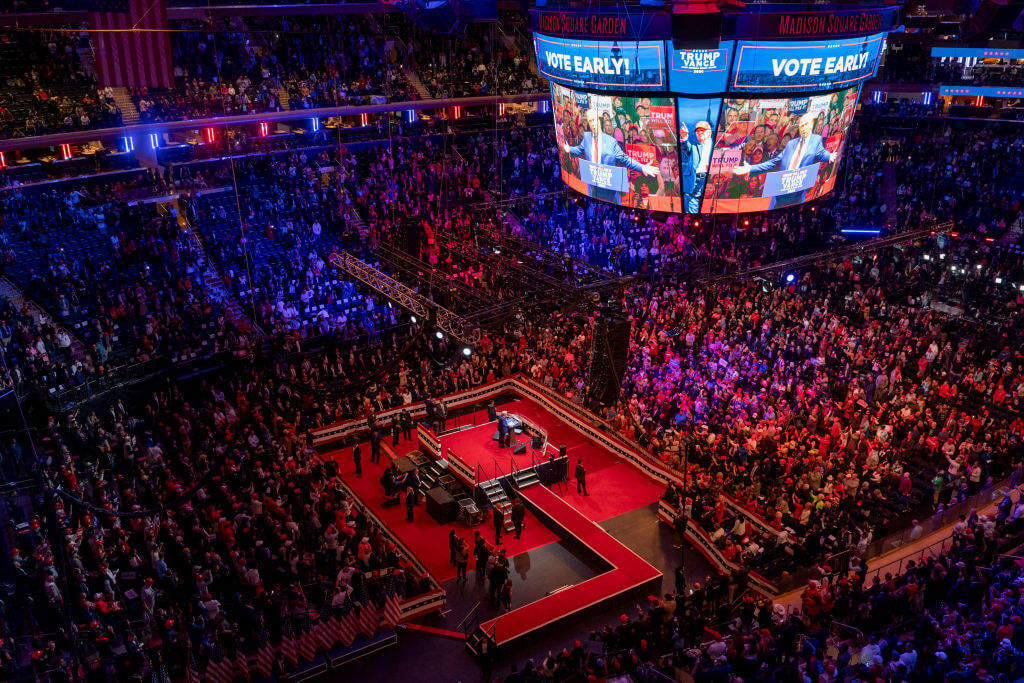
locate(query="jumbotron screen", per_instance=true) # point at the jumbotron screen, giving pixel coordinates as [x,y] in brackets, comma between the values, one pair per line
[744,126]
[621,150]
[772,153]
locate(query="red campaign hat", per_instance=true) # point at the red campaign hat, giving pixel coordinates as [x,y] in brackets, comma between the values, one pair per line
[624,619]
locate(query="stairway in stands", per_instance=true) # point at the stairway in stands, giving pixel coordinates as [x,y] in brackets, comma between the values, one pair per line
[213,279]
[416,83]
[129,114]
[356,219]
[9,291]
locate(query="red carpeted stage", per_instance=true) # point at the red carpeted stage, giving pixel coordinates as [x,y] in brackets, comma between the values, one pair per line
[630,572]
[615,486]
[424,537]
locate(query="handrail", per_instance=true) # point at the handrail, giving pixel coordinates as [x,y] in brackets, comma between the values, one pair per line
[512,458]
[477,474]
[466,618]
[497,468]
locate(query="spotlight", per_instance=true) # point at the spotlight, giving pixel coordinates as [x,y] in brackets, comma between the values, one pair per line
[978,266]
[927,257]
[790,277]
[999,280]
[413,319]
[466,351]
[942,257]
[439,334]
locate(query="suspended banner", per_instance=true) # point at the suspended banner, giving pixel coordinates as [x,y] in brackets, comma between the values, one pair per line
[606,65]
[805,65]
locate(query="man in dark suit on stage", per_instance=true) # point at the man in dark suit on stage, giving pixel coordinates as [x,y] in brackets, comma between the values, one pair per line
[502,430]
[581,478]
[598,147]
[805,150]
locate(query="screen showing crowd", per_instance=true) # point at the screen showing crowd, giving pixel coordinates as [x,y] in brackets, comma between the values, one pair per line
[772,153]
[621,150]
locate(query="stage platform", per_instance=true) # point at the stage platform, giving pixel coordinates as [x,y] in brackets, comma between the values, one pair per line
[629,572]
[477,448]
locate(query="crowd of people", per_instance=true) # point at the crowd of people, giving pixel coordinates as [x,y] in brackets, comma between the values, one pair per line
[45,87]
[831,405]
[197,521]
[952,617]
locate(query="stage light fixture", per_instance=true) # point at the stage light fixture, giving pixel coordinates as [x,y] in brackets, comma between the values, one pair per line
[999,280]
[942,257]
[413,319]
[466,351]
[927,257]
[790,278]
[978,266]
[439,334]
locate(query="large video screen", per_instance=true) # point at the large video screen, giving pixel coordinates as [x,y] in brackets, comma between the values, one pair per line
[772,153]
[621,150]
[602,65]
[802,65]
[698,120]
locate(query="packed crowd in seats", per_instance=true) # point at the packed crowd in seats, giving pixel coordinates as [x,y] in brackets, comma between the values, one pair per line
[630,241]
[262,64]
[491,59]
[154,302]
[950,171]
[44,88]
[833,404]
[954,617]
[230,529]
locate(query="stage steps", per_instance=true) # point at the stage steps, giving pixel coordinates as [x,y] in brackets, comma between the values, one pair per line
[495,493]
[524,478]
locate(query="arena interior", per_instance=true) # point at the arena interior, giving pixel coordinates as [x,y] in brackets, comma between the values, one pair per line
[481,340]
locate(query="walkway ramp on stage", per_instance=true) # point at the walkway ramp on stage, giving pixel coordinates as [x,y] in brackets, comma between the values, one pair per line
[629,572]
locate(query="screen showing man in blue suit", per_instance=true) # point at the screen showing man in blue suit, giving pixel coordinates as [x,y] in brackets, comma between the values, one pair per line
[620,150]
[806,149]
[776,152]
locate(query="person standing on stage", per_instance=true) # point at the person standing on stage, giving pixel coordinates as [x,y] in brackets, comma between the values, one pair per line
[396,430]
[410,502]
[502,430]
[581,478]
[375,445]
[406,424]
[518,515]
[357,458]
[461,560]
[498,519]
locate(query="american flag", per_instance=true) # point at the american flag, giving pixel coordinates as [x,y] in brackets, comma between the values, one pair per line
[323,633]
[368,617]
[288,651]
[241,664]
[264,654]
[221,668]
[347,624]
[307,645]
[392,606]
[191,669]
[159,671]
[131,45]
